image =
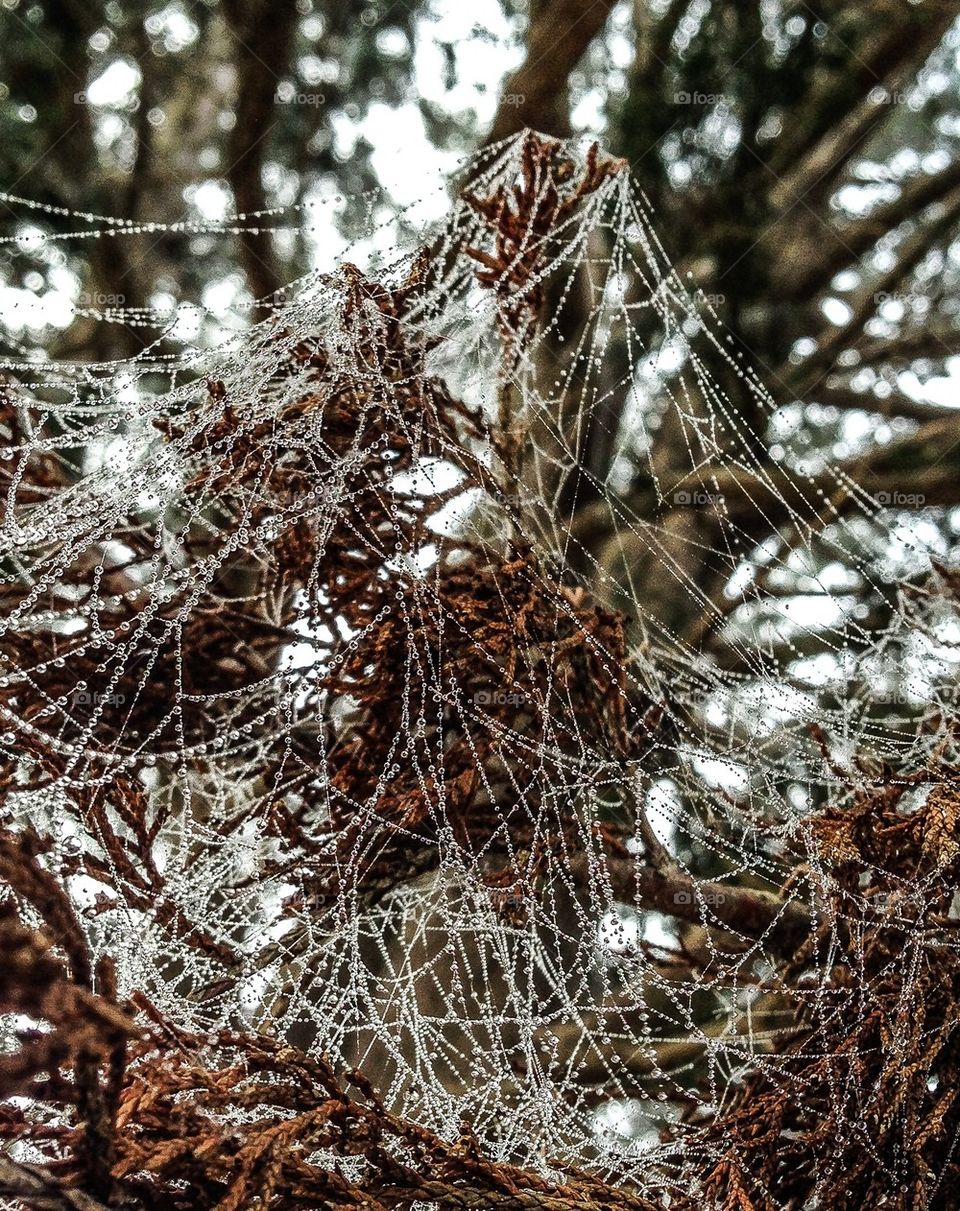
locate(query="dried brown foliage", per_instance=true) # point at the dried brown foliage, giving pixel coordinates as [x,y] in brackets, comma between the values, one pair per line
[247,1122]
[861,1107]
[236,1121]
[524,221]
[535,667]
[487,684]
[77,1060]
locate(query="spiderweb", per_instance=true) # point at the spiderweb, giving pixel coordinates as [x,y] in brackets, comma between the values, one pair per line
[366,708]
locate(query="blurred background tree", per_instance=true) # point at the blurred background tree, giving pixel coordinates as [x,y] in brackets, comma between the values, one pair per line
[800,159]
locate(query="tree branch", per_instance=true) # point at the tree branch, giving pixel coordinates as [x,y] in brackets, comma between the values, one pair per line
[781,925]
[37,1188]
[910,254]
[896,404]
[888,60]
[824,257]
[936,344]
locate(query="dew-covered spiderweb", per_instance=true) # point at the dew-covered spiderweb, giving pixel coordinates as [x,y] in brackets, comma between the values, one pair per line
[450,669]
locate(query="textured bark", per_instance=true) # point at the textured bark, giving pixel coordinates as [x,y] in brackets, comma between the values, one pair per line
[557,39]
[263,38]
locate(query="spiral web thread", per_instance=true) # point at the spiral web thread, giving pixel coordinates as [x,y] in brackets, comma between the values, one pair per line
[345,732]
